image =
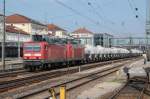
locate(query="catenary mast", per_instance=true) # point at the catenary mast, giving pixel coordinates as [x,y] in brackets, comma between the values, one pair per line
[148,21]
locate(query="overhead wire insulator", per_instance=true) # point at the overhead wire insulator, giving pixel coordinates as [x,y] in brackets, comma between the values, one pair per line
[89,3]
[137,16]
[136,9]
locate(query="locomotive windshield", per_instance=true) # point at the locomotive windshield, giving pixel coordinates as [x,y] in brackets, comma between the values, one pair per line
[35,48]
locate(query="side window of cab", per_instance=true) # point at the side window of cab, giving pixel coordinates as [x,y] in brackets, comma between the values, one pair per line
[46,47]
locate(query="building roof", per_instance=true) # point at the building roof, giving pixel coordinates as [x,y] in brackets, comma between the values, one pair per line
[108,34]
[103,34]
[53,27]
[17,18]
[83,30]
[13,29]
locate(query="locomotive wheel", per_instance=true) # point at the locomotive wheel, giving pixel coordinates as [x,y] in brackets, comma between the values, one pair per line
[73,63]
[45,67]
[26,67]
[49,66]
[31,68]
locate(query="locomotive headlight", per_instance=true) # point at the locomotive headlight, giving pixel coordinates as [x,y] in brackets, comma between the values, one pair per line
[27,54]
[38,54]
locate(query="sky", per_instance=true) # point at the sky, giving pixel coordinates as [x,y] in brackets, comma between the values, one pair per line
[117,17]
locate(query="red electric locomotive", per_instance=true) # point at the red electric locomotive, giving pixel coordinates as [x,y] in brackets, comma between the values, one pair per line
[41,54]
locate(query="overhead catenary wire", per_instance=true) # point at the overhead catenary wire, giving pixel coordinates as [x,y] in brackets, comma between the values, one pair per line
[133,10]
[76,12]
[106,19]
[137,9]
[98,14]
[95,7]
[95,11]
[102,16]
[82,15]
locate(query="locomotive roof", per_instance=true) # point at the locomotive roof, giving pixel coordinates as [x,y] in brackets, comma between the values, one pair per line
[51,40]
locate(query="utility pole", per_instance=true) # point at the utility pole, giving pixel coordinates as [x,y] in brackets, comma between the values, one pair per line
[147,28]
[147,22]
[19,45]
[3,41]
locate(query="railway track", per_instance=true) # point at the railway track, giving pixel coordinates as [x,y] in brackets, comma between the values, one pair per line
[12,73]
[75,83]
[21,71]
[12,84]
[11,65]
[133,89]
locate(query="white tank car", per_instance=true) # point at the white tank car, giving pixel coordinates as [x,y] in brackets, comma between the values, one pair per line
[114,50]
[90,51]
[95,53]
[99,49]
[136,51]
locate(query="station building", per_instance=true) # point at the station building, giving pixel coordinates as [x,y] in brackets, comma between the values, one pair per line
[14,38]
[56,31]
[14,41]
[26,24]
[85,36]
[103,39]
[89,38]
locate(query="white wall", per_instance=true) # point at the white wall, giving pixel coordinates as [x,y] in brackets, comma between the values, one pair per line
[61,34]
[31,28]
[39,29]
[85,38]
[13,37]
[86,35]
[24,26]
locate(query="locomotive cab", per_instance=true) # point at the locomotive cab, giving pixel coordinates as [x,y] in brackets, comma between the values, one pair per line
[34,54]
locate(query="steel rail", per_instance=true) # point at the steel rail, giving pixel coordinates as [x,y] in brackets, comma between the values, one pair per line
[12,73]
[16,83]
[15,72]
[142,90]
[93,65]
[117,93]
[109,70]
[12,84]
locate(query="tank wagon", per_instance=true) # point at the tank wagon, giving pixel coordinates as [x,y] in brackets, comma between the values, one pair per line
[100,53]
[51,53]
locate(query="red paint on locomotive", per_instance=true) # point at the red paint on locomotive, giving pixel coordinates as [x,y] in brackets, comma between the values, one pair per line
[39,53]
[56,52]
[34,50]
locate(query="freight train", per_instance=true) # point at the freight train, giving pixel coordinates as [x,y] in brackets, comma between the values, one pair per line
[47,53]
